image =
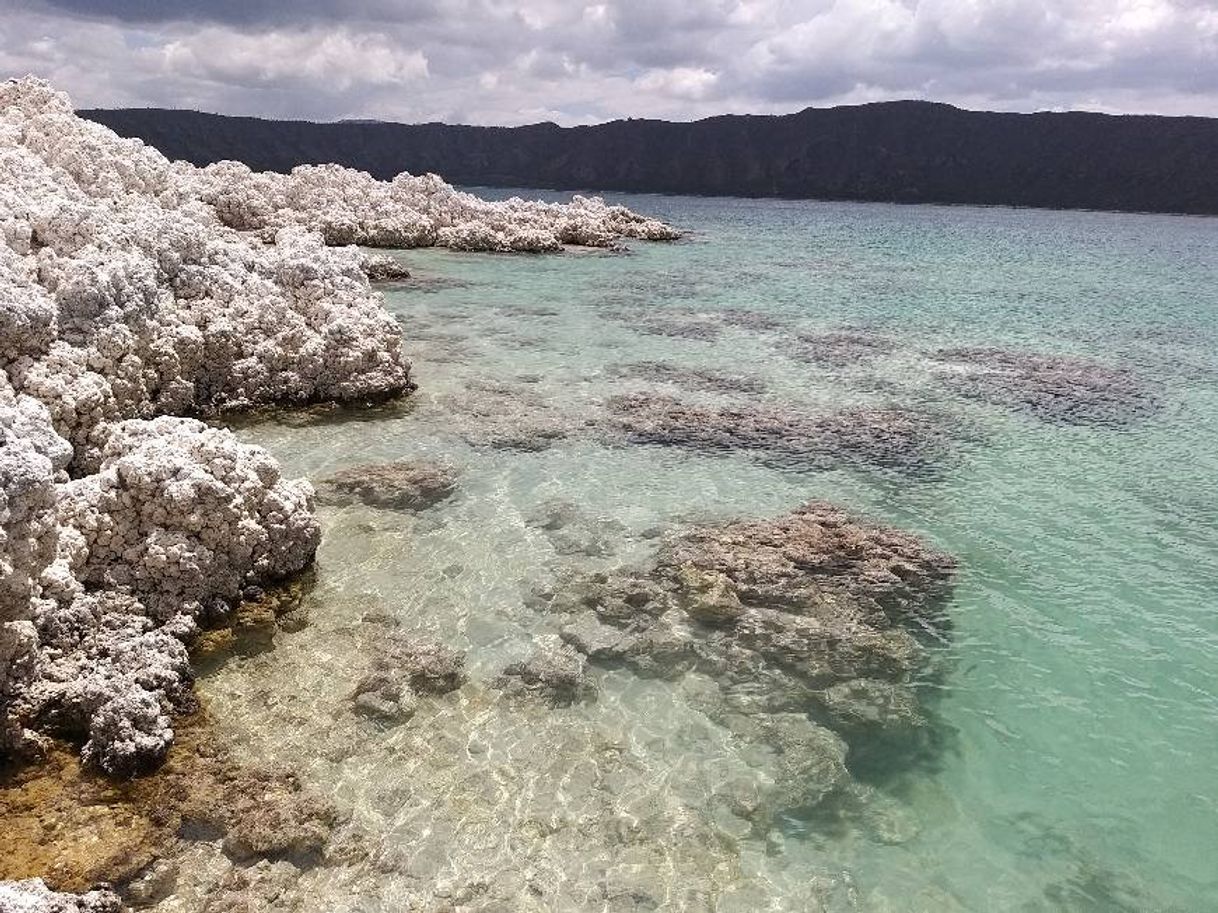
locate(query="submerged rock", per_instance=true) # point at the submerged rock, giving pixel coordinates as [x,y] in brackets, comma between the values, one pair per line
[814,616]
[77,828]
[677,327]
[573,532]
[907,441]
[1054,388]
[810,763]
[428,667]
[802,561]
[265,885]
[554,673]
[837,349]
[384,696]
[270,816]
[910,441]
[403,485]
[509,416]
[402,671]
[751,320]
[700,379]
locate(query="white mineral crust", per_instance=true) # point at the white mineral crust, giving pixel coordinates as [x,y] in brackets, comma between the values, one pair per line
[136,292]
[33,896]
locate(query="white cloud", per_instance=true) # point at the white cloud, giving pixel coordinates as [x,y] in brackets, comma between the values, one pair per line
[678,82]
[332,59]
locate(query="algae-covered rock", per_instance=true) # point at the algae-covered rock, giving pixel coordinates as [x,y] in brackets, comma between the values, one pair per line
[554,673]
[402,485]
[382,695]
[909,441]
[810,627]
[1065,389]
[429,667]
[76,827]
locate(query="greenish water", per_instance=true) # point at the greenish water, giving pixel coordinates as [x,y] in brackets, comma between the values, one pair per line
[1080,706]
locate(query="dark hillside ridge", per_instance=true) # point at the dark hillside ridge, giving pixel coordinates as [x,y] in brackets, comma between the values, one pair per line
[903,152]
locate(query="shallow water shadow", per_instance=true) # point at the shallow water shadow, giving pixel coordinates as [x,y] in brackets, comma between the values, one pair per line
[323,414]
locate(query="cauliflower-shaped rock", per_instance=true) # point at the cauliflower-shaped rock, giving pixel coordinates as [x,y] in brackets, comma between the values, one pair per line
[181,514]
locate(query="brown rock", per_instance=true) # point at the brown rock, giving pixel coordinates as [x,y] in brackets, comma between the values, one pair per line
[402,485]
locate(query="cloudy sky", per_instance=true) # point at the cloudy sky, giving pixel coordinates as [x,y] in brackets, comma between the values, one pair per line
[511,62]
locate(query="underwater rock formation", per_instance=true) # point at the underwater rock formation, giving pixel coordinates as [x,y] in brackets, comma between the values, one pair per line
[677,324]
[78,828]
[384,696]
[403,671]
[1053,388]
[908,441]
[506,416]
[677,327]
[426,666]
[811,627]
[837,349]
[571,531]
[700,379]
[402,485]
[746,319]
[554,673]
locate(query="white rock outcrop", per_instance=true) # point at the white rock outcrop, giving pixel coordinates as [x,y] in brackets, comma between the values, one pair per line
[352,207]
[124,301]
[135,293]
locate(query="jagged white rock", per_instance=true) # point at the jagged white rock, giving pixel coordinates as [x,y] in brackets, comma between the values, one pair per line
[123,297]
[180,514]
[352,207]
[32,458]
[133,289]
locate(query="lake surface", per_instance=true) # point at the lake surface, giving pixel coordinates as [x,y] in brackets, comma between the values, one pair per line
[1079,703]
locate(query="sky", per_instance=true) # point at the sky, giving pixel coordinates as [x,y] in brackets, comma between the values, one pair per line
[506,62]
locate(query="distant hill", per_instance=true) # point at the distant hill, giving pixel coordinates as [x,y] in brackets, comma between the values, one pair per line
[905,152]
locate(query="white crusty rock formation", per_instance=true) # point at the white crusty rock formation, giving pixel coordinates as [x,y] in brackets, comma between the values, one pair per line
[33,896]
[136,292]
[352,207]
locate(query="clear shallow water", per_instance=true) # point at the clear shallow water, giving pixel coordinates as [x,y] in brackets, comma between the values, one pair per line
[1081,704]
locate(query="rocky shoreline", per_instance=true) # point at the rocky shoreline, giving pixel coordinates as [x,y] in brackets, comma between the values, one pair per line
[137,295]
[139,544]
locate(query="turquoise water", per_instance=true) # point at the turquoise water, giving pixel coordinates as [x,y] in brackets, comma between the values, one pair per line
[1079,709]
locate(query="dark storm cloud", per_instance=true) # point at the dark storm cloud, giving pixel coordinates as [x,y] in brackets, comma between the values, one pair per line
[506,61]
